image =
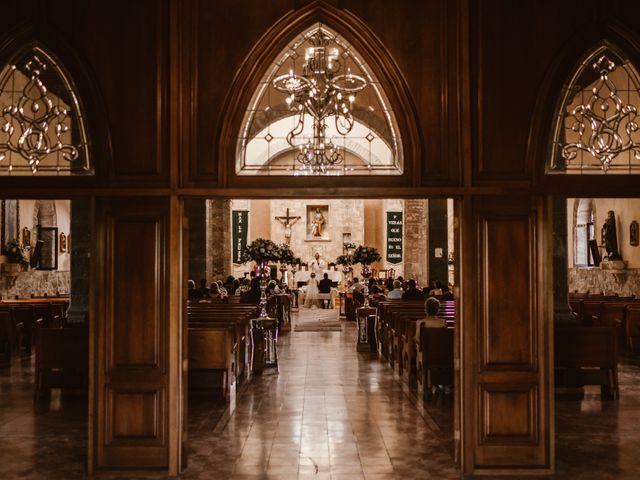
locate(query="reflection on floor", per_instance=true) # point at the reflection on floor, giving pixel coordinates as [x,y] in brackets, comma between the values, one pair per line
[330,413]
[48,440]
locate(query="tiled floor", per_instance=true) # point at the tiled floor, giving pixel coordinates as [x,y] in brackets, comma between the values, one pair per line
[330,413]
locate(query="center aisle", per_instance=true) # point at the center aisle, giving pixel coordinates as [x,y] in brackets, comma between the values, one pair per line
[330,413]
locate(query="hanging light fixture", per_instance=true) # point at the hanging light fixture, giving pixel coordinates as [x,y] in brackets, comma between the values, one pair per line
[320,92]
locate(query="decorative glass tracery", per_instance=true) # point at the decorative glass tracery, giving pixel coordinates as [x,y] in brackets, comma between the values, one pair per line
[370,146]
[41,129]
[597,127]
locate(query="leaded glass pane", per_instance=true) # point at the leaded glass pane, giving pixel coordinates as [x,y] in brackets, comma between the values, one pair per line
[597,124]
[42,128]
[372,144]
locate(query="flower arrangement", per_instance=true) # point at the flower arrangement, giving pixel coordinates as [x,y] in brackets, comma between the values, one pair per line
[287,257]
[348,246]
[15,253]
[345,260]
[366,255]
[261,251]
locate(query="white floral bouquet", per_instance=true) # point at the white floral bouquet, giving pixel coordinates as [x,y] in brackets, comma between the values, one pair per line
[366,255]
[261,251]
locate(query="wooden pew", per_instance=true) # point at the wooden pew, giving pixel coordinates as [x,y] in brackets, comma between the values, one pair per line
[587,355]
[211,349]
[632,327]
[386,328]
[231,340]
[435,364]
[23,323]
[61,358]
[6,339]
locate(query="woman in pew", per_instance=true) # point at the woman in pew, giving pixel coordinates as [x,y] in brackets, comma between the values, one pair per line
[431,308]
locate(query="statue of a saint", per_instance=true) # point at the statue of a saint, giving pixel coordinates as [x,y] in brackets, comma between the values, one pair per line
[610,238]
[317,225]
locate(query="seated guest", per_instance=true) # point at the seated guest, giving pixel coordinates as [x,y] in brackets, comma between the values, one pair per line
[221,287]
[396,292]
[390,283]
[357,286]
[204,290]
[193,293]
[435,288]
[234,286]
[376,294]
[412,292]
[273,288]
[216,293]
[325,287]
[228,283]
[243,287]
[252,295]
[431,308]
[447,293]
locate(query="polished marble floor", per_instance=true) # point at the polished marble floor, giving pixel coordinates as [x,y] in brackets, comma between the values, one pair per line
[330,413]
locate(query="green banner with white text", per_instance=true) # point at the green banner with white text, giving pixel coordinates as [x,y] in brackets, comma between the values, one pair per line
[240,227]
[394,237]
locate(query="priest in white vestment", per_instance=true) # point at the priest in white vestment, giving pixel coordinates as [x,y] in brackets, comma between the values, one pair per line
[317,265]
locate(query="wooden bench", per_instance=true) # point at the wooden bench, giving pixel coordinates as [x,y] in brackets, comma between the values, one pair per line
[211,349]
[61,359]
[219,341]
[587,355]
[435,364]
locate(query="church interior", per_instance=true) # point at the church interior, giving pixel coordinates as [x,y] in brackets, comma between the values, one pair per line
[319,239]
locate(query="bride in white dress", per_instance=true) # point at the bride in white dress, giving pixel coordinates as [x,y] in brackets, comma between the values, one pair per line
[311,294]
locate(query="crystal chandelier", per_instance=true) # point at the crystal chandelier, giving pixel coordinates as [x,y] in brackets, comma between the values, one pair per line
[320,92]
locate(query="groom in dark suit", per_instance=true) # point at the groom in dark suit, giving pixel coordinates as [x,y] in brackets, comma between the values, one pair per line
[325,287]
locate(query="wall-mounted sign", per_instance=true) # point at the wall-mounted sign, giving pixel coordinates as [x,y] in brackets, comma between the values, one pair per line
[240,227]
[394,237]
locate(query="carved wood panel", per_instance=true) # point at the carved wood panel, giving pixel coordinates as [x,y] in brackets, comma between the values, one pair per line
[132,344]
[508,419]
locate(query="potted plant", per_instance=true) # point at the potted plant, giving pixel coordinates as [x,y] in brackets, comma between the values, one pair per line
[16,258]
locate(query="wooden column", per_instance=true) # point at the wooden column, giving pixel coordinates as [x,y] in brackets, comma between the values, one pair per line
[507,417]
[196,212]
[561,310]
[438,238]
[136,390]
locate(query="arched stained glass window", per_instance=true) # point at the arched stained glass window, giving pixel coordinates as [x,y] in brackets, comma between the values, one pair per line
[42,128]
[597,125]
[319,110]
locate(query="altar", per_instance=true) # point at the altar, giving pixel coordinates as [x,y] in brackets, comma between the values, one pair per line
[331,297]
[334,276]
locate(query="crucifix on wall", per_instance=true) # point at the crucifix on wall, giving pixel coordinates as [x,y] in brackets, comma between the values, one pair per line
[287,221]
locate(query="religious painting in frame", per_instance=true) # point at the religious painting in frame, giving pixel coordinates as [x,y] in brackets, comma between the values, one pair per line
[10,228]
[317,222]
[633,234]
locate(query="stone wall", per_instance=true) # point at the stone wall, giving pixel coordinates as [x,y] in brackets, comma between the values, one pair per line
[36,282]
[595,280]
[415,240]
[218,239]
[344,216]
